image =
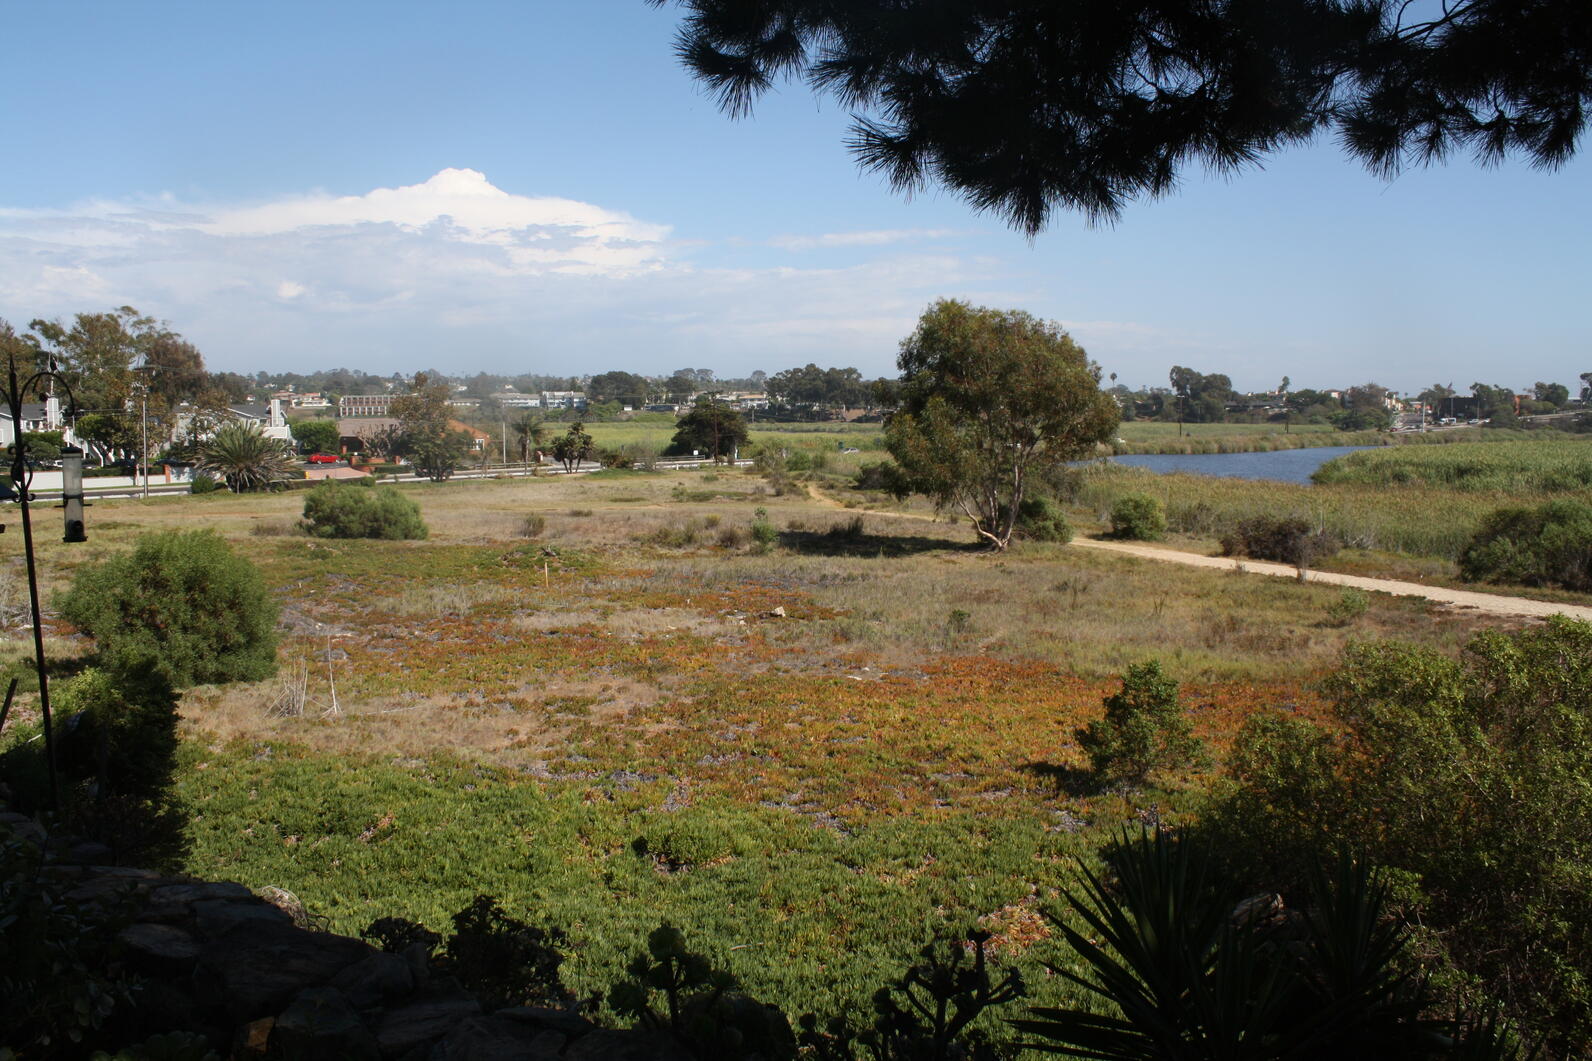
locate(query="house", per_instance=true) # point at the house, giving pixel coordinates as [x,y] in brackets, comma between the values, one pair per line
[478,439]
[513,399]
[563,400]
[353,431]
[267,417]
[36,416]
[365,404]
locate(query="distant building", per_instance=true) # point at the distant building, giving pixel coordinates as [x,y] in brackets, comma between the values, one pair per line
[365,405]
[267,417]
[563,400]
[36,416]
[513,399]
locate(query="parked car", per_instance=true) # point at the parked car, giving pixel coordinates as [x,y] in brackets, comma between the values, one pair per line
[322,458]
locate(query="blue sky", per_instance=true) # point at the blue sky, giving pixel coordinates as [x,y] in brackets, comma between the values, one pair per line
[539,187]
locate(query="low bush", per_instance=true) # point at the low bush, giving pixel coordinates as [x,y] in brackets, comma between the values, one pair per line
[884,477]
[1040,519]
[1188,967]
[1350,605]
[1138,517]
[181,606]
[1550,545]
[1144,728]
[334,510]
[764,533]
[772,466]
[203,484]
[1287,541]
[1464,776]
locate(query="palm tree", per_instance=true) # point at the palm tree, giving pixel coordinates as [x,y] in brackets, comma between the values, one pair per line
[532,433]
[244,458]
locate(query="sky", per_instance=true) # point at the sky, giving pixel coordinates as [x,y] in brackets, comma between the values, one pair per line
[540,187]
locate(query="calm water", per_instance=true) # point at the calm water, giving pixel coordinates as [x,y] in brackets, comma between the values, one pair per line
[1286,465]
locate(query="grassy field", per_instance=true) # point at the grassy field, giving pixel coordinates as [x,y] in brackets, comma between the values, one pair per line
[655,435]
[812,758]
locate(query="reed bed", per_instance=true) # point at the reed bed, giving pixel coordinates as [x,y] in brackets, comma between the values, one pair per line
[1417,520]
[1521,467]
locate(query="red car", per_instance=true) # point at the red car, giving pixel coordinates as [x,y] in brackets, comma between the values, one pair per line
[322,458]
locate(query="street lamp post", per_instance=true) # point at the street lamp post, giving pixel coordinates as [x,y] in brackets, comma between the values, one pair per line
[72,491]
[143,456]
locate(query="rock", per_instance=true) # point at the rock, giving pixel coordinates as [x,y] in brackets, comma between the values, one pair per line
[216,916]
[162,1006]
[430,1017]
[161,950]
[87,853]
[192,893]
[560,1020]
[375,979]
[250,1042]
[605,1044]
[762,1030]
[418,957]
[777,613]
[288,903]
[255,967]
[99,889]
[497,1039]
[320,1025]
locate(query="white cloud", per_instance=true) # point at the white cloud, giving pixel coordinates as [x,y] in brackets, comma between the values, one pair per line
[460,274]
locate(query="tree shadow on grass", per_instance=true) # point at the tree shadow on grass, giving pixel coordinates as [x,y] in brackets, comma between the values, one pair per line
[850,539]
[1069,780]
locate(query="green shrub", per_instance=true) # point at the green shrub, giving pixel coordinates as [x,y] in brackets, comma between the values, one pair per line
[334,510]
[1350,605]
[1040,519]
[763,530]
[1144,728]
[181,606]
[1466,776]
[1287,541]
[1138,517]
[203,484]
[884,477]
[1196,970]
[1550,545]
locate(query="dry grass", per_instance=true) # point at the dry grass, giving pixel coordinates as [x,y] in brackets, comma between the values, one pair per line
[609,639]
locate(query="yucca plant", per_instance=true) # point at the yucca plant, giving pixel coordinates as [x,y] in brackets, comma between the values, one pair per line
[1182,971]
[244,458]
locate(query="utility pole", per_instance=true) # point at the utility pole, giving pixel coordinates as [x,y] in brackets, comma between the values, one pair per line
[144,462]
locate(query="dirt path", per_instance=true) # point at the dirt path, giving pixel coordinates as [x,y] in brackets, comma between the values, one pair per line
[1490,603]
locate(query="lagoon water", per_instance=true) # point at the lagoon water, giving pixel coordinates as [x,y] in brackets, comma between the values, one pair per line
[1284,465]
